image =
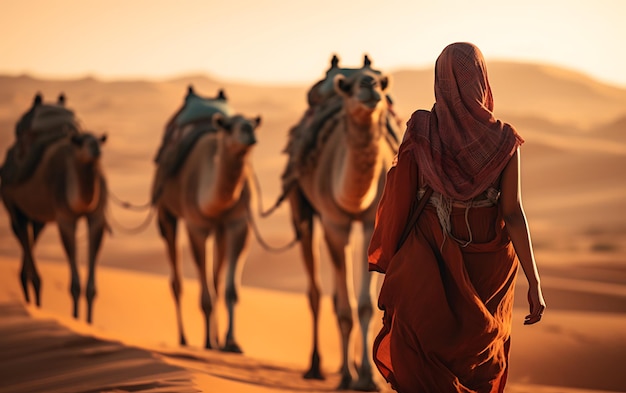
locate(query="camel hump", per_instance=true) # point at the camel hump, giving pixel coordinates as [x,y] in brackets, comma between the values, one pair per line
[22,160]
[45,116]
[195,110]
[38,128]
[324,104]
[182,131]
[308,136]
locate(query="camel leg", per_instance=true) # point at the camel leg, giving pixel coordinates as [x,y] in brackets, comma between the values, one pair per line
[28,271]
[197,241]
[167,229]
[219,257]
[365,382]
[302,216]
[236,242]
[337,238]
[67,230]
[96,224]
[36,281]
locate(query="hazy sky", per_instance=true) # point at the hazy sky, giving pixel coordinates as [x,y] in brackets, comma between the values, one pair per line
[292,41]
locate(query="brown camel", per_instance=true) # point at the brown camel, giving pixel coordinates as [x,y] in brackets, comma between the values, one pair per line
[337,175]
[210,192]
[66,184]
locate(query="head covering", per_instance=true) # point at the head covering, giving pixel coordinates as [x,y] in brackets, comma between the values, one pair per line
[460,147]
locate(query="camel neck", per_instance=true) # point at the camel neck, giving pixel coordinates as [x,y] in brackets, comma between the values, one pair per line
[83,180]
[222,180]
[356,183]
[230,176]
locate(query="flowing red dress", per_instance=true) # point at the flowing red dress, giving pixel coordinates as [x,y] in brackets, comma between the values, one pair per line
[447,308]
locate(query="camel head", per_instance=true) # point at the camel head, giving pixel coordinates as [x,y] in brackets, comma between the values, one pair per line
[87,147]
[363,91]
[238,131]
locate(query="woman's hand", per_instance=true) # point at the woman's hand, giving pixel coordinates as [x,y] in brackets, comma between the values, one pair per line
[537,305]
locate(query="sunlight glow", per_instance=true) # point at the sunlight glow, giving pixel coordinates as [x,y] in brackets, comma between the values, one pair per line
[281,41]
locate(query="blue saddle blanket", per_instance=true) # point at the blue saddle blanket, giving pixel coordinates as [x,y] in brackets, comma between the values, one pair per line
[199,108]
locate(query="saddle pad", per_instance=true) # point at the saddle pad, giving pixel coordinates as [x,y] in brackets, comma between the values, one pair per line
[47,117]
[198,108]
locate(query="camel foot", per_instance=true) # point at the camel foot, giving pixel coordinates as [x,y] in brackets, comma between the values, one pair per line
[25,289]
[232,347]
[183,341]
[345,383]
[208,345]
[314,373]
[365,384]
[37,290]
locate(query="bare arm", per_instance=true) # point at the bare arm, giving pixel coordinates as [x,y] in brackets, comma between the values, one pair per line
[515,220]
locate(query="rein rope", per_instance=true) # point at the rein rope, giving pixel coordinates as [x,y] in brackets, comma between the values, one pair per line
[266,213]
[129,206]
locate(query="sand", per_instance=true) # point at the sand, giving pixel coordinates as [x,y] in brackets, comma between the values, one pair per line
[132,342]
[574,195]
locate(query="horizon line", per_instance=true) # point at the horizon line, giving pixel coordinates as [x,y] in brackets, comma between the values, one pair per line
[271,82]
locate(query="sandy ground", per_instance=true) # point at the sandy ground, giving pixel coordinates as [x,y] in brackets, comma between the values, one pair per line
[132,342]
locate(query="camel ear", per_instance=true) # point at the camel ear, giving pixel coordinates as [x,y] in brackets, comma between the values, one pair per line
[61,99]
[221,95]
[38,99]
[341,86]
[384,82]
[103,138]
[218,121]
[257,121]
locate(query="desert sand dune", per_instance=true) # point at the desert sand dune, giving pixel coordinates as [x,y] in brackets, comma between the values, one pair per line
[42,355]
[577,346]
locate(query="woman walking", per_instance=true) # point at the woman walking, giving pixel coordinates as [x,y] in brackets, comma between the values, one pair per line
[448,290]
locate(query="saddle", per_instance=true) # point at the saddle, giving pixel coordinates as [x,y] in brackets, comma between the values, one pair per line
[41,126]
[182,131]
[198,108]
[47,118]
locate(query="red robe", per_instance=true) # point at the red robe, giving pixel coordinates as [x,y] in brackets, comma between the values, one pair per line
[447,309]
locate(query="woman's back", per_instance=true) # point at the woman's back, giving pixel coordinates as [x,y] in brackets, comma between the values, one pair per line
[448,290]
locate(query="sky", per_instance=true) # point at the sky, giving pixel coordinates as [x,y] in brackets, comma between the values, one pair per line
[292,41]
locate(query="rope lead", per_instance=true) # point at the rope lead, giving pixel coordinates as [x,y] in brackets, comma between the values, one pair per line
[264,214]
[129,206]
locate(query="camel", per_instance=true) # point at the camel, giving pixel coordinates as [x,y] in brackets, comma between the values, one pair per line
[338,177]
[210,192]
[66,185]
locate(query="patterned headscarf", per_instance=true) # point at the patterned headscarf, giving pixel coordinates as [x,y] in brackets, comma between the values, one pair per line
[460,147]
